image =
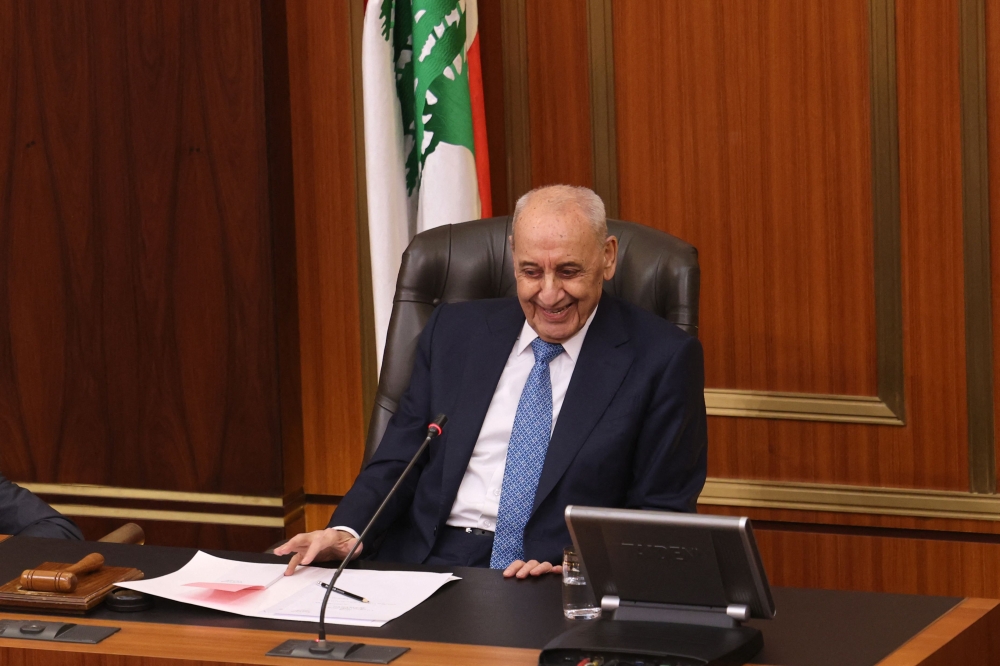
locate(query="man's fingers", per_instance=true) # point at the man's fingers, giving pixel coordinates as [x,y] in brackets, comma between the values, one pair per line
[315,546]
[542,568]
[293,563]
[526,568]
[513,568]
[290,545]
[522,569]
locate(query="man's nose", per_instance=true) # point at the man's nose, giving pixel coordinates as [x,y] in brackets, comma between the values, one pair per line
[551,291]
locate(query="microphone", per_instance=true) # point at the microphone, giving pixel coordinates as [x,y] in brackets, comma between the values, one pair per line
[434,429]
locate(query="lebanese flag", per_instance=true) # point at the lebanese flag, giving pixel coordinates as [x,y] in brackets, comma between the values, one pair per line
[425,130]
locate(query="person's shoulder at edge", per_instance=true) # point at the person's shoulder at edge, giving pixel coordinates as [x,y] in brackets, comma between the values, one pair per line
[24,513]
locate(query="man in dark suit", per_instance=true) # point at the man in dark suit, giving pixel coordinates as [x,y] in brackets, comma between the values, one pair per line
[22,513]
[565,395]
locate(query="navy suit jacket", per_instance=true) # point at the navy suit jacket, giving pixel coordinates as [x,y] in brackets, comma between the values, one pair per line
[24,513]
[631,431]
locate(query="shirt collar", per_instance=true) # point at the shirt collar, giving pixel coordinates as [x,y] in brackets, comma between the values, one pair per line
[571,347]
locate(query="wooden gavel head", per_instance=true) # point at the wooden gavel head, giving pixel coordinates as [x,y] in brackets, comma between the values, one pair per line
[62,580]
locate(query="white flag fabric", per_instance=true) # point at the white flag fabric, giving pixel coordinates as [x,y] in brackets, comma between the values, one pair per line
[425,133]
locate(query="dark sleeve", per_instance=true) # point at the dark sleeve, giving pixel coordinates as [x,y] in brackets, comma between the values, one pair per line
[403,436]
[671,459]
[23,513]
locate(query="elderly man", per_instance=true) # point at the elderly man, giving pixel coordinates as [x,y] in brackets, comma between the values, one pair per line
[565,395]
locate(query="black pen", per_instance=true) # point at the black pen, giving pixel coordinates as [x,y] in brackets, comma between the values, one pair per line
[346,593]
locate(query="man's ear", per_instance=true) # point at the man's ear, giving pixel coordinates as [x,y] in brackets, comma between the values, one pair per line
[610,257]
[510,239]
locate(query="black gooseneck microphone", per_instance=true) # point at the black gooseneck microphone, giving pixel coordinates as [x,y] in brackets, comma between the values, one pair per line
[434,429]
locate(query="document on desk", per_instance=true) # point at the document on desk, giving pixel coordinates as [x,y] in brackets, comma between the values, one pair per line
[296,597]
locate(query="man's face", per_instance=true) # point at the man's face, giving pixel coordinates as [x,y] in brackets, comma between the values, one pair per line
[560,268]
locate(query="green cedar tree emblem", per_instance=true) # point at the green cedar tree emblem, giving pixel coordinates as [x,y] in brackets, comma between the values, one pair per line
[432,77]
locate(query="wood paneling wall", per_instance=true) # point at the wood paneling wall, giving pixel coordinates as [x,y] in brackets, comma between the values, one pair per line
[182,235]
[745,129]
[558,93]
[321,67]
[138,327]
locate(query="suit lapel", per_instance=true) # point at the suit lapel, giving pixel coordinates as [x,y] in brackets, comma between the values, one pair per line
[484,364]
[604,360]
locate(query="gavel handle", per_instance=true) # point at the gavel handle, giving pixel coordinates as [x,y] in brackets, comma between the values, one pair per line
[92,562]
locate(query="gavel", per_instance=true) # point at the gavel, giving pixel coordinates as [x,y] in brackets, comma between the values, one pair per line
[63,580]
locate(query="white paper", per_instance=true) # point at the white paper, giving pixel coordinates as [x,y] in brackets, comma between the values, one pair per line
[226,576]
[389,594]
[296,597]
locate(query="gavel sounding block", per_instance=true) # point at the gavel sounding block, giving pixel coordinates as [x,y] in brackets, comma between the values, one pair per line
[91,588]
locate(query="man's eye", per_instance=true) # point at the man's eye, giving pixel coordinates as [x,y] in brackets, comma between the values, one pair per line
[569,274]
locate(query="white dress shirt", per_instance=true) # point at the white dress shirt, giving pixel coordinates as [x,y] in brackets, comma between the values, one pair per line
[478,499]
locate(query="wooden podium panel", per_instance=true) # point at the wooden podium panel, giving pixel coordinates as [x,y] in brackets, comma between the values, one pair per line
[968,635]
[147,644]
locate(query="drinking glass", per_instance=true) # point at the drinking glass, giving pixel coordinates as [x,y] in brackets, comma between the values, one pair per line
[578,597]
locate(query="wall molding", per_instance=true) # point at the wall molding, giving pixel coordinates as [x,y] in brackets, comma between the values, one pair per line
[177,516]
[916,503]
[800,407]
[517,113]
[95,491]
[889,407]
[604,147]
[978,281]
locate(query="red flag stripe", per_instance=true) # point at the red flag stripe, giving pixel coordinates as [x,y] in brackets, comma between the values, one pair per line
[479,128]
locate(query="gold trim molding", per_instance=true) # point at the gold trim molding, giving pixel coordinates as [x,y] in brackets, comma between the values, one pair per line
[799,406]
[976,246]
[604,151]
[174,516]
[517,113]
[850,499]
[86,490]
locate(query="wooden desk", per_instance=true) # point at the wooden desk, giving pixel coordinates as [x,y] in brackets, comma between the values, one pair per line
[961,636]
[966,633]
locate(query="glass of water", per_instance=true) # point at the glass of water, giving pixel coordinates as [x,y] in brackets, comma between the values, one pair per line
[578,597]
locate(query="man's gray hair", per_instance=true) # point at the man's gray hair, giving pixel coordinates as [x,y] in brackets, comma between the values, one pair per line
[559,197]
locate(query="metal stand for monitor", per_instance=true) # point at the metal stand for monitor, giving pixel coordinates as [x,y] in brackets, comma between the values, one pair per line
[636,642]
[674,589]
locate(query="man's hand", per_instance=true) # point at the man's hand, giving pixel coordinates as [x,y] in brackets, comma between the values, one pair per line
[521,569]
[318,546]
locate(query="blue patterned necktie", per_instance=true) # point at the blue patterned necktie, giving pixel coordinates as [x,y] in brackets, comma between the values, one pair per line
[529,441]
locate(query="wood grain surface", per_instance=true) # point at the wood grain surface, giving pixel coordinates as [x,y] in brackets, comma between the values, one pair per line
[969,634]
[559,93]
[737,136]
[318,515]
[993,146]
[879,563]
[238,538]
[744,128]
[320,79]
[148,644]
[137,333]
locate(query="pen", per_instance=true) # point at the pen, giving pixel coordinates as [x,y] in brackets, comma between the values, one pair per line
[346,593]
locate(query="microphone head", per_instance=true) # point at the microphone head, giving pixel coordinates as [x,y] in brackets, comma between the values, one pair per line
[436,427]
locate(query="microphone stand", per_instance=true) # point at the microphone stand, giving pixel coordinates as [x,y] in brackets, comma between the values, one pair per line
[321,648]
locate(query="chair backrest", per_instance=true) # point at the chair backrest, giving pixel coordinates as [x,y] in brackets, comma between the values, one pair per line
[472,260]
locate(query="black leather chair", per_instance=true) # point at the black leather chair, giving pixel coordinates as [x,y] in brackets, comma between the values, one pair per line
[472,260]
